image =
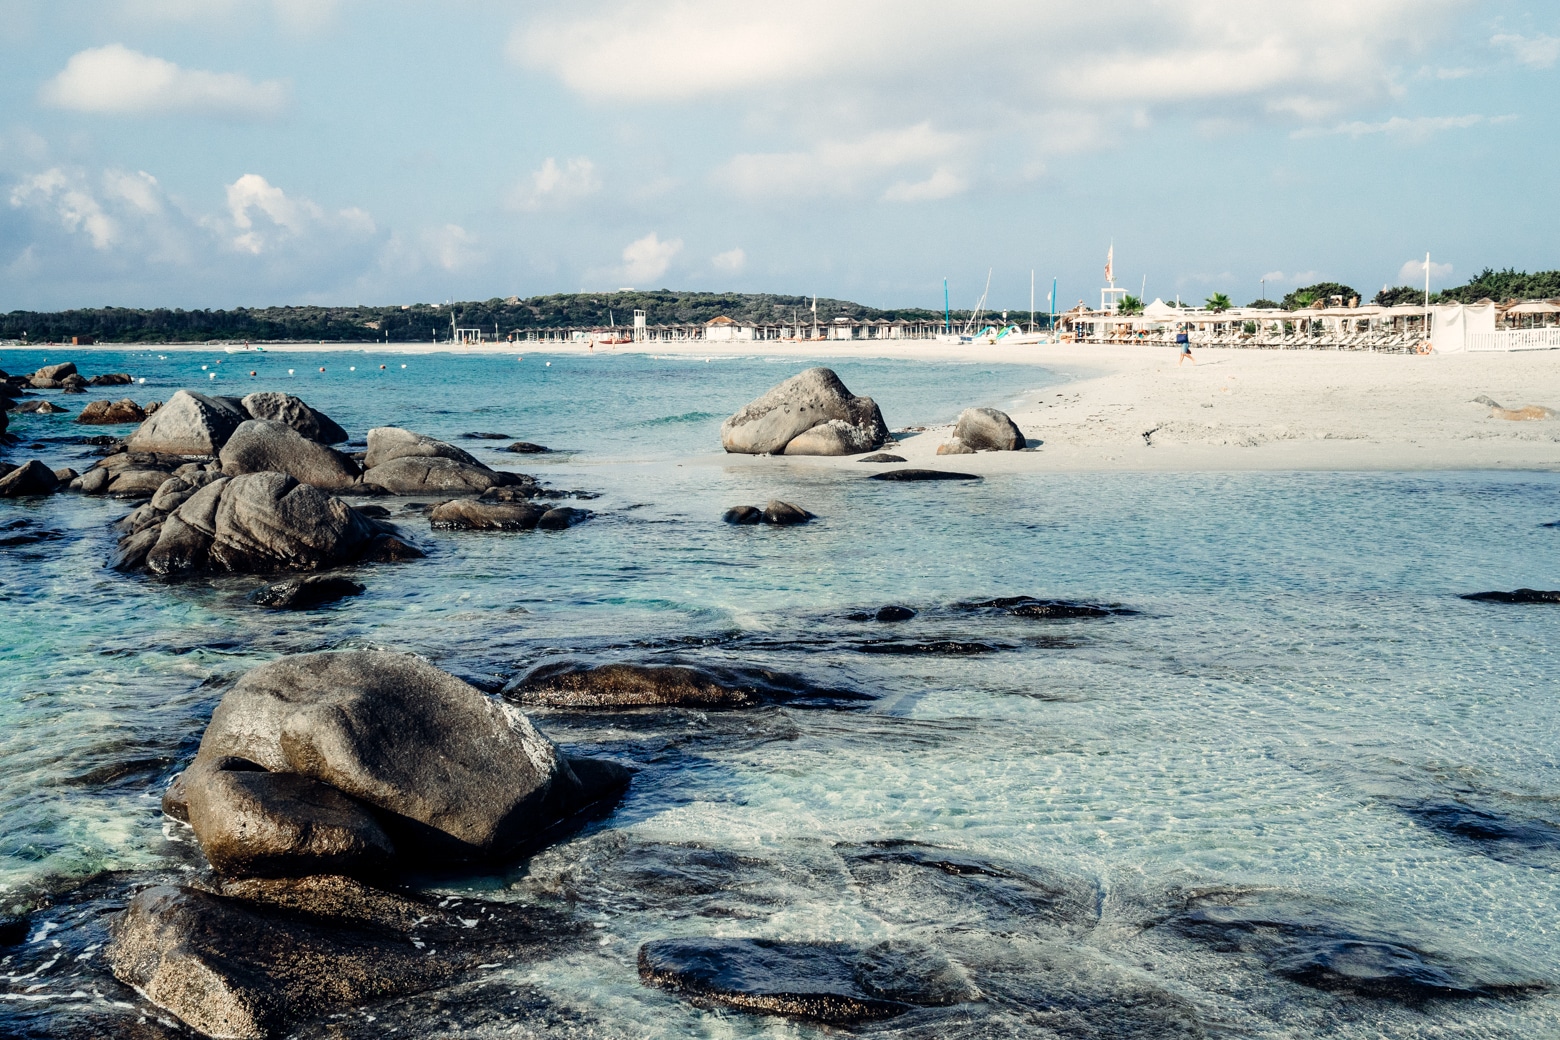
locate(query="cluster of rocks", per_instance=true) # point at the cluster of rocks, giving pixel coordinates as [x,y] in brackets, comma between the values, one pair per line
[776,512]
[320,780]
[65,377]
[32,478]
[809,414]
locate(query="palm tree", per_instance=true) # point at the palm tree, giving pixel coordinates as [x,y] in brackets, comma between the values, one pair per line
[1130,305]
[1218,302]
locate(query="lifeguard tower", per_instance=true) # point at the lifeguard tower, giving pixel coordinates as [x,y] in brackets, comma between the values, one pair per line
[1110,297]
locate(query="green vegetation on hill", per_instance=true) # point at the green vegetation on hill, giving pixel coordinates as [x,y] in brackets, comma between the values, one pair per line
[1503,285]
[1302,298]
[425,321]
[1400,295]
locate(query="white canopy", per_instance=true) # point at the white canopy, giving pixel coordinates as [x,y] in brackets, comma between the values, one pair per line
[1159,310]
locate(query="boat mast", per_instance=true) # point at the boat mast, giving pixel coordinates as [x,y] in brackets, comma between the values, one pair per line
[947,314]
[1031,299]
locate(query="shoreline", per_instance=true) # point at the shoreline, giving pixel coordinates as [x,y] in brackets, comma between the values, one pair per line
[1134,408]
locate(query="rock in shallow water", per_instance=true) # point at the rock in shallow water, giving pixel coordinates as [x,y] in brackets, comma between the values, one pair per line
[1054,609]
[29,479]
[786,414]
[107,413]
[828,982]
[258,958]
[268,446]
[574,684]
[189,424]
[923,474]
[883,456]
[450,773]
[302,593]
[1516,596]
[743,515]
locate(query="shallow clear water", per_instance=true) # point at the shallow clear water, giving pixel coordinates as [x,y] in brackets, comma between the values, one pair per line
[1290,714]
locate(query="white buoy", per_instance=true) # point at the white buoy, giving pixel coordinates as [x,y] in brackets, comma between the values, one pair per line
[203,368]
[549,364]
[351,368]
[143,380]
[403,366]
[289,371]
[212,376]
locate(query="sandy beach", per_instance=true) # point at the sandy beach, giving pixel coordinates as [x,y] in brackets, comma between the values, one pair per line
[1135,408]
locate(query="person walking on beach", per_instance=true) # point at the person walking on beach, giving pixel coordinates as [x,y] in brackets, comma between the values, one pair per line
[1186,349]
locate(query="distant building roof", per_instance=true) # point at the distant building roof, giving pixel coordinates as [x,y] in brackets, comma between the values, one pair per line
[720,319]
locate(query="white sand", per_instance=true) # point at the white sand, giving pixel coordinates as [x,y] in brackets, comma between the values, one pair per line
[1232,410]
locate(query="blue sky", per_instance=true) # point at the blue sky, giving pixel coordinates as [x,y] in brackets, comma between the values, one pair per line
[214,153]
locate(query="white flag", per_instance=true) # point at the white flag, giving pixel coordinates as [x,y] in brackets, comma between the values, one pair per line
[1110,265]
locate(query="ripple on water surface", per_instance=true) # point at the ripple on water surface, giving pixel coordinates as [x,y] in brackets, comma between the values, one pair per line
[1302,758]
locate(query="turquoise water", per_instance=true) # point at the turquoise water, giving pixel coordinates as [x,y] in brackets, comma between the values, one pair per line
[1290,714]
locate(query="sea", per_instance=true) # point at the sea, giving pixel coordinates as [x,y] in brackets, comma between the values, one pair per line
[1290,785]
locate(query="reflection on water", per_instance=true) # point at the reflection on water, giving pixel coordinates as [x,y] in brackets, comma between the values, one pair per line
[1303,754]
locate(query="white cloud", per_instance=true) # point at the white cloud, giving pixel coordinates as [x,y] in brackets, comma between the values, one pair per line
[1279,278]
[880,50]
[1413,272]
[140,190]
[555,186]
[115,80]
[729,262]
[252,197]
[1538,51]
[452,247]
[941,184]
[71,202]
[1418,128]
[648,258]
[834,167]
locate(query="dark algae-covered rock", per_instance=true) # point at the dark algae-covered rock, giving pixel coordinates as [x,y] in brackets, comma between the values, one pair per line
[313,590]
[1053,609]
[576,684]
[882,457]
[743,515]
[27,480]
[922,474]
[828,982]
[777,513]
[1516,596]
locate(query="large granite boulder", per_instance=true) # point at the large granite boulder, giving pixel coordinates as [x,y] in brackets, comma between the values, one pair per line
[464,514]
[55,373]
[257,523]
[405,463]
[258,957]
[108,413]
[386,443]
[449,773]
[987,429]
[266,445]
[285,408]
[29,479]
[189,424]
[787,420]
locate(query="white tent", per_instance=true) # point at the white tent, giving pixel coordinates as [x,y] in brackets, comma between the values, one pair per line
[1159,310]
[1451,324]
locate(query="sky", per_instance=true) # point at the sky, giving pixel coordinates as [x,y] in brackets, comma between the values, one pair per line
[221,153]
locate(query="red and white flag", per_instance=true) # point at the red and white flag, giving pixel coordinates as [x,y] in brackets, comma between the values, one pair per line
[1110,264]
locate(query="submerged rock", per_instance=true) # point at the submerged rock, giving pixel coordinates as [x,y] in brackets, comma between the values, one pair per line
[743,515]
[814,399]
[1312,950]
[268,446]
[449,773]
[1056,609]
[889,613]
[1515,596]
[189,424]
[560,518]
[830,982]
[285,408]
[527,448]
[257,958]
[1501,835]
[923,474]
[987,429]
[785,514]
[314,590]
[39,408]
[485,436]
[27,480]
[108,413]
[111,379]
[883,456]
[574,684]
